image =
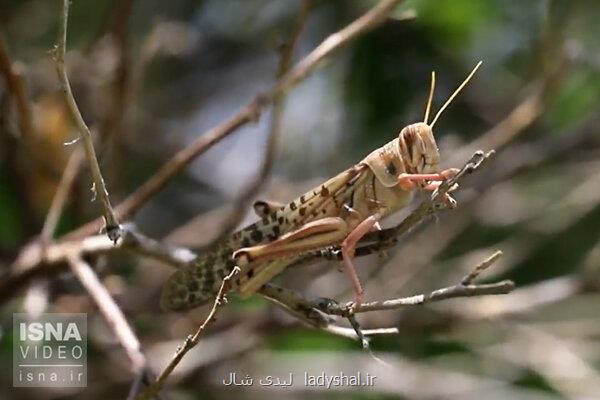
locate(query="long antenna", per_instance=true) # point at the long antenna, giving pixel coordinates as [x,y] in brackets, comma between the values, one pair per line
[456,92]
[430,99]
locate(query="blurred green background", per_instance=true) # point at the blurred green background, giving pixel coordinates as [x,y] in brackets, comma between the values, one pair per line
[150,76]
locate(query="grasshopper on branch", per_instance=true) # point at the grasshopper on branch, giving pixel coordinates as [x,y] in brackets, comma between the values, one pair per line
[338,212]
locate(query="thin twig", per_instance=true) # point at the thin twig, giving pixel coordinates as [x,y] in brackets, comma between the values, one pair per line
[285,61]
[248,113]
[191,340]
[109,310]
[133,241]
[503,287]
[485,264]
[358,330]
[112,223]
[60,197]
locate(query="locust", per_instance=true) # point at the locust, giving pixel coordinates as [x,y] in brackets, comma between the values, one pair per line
[339,212]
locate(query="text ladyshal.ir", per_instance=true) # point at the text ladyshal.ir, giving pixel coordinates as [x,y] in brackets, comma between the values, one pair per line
[340,379]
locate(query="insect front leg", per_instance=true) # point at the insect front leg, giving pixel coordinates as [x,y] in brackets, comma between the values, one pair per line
[409,182]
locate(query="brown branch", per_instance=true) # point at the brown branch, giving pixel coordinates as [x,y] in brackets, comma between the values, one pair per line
[111,313]
[248,113]
[191,340]
[112,223]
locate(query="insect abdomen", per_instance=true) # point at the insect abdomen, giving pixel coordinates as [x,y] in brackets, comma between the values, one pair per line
[198,283]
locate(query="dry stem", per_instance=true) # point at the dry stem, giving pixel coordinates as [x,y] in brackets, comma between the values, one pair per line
[99,187]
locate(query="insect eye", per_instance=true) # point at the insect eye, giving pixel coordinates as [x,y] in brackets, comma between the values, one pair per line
[390,168]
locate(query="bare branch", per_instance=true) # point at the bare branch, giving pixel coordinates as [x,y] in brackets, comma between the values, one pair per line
[458,290]
[191,340]
[109,310]
[248,113]
[112,223]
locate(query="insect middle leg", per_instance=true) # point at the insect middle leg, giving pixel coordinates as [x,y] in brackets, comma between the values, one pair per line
[348,247]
